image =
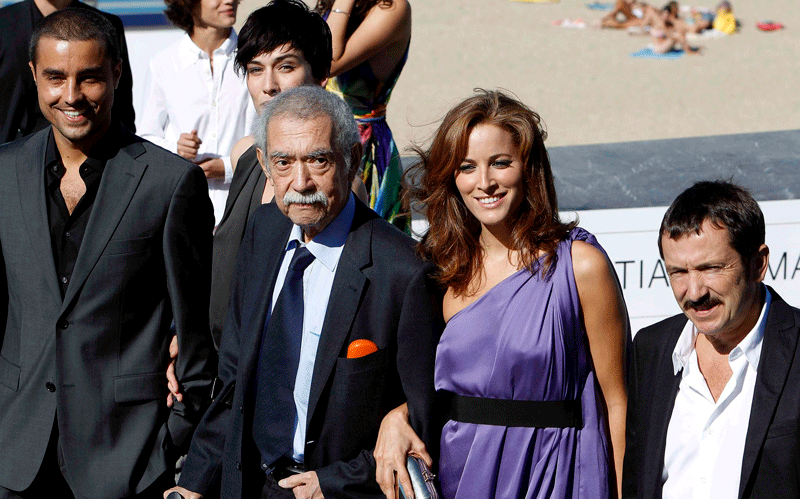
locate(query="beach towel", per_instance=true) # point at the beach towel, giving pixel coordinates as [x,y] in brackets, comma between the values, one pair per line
[706,35]
[769,26]
[570,23]
[647,53]
[599,6]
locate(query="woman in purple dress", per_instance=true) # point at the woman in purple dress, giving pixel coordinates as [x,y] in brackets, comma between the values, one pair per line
[531,363]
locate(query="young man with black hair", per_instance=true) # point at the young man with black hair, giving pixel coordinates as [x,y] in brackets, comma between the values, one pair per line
[106,242]
[19,109]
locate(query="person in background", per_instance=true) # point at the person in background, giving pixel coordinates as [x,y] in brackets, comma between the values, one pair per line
[371,39]
[725,19]
[715,391]
[281,46]
[19,107]
[530,369]
[195,103]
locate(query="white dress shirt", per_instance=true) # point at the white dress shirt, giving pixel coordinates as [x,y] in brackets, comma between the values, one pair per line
[318,277]
[705,439]
[184,94]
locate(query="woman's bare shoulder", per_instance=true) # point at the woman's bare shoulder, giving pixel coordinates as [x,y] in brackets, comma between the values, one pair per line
[588,262]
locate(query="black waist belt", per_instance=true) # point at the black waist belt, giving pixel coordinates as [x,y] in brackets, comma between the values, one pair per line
[504,412]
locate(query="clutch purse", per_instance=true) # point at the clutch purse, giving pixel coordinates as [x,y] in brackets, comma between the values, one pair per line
[422,479]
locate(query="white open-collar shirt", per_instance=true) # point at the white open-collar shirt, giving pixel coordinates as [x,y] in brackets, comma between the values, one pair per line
[705,439]
[184,94]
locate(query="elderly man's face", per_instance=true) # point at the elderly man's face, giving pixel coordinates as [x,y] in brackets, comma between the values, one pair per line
[311,180]
[715,289]
[75,82]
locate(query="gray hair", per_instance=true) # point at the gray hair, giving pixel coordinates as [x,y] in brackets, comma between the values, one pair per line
[308,102]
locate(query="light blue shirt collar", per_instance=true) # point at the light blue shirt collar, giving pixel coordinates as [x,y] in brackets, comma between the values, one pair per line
[327,245]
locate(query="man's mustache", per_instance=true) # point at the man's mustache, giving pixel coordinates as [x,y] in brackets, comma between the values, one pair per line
[704,303]
[316,197]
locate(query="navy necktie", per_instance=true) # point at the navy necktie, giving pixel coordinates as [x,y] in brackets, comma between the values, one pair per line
[275,412]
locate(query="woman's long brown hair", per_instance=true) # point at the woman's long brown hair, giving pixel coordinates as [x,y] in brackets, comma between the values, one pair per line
[452,241]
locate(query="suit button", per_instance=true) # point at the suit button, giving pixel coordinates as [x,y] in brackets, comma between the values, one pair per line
[238,465]
[241,409]
[50,387]
[63,324]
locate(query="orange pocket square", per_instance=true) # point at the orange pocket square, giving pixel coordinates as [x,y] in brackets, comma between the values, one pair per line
[361,348]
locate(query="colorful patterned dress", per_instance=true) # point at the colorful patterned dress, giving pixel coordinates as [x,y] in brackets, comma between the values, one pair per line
[381,168]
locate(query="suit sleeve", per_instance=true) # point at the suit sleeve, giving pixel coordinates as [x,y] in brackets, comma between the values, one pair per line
[15,76]
[187,261]
[123,95]
[203,465]
[418,331]
[630,470]
[3,296]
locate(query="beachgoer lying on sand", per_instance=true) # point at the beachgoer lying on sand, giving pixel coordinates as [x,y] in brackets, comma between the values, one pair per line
[664,19]
[669,32]
[626,14]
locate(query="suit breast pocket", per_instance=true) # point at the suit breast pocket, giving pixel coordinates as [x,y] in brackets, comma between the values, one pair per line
[782,429]
[9,374]
[357,393]
[375,360]
[127,246]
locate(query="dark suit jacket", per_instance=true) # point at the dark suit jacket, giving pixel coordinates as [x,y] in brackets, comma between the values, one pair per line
[98,357]
[381,292]
[244,196]
[19,105]
[771,463]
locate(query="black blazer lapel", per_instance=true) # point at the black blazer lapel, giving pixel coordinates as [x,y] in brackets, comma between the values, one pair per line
[269,243]
[238,182]
[30,178]
[121,177]
[346,292]
[664,389]
[777,351]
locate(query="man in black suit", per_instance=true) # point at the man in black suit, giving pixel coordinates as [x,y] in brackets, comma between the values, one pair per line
[105,243]
[19,109]
[314,355]
[714,395]
[281,46]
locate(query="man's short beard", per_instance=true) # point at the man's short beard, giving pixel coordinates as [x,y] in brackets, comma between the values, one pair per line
[297,198]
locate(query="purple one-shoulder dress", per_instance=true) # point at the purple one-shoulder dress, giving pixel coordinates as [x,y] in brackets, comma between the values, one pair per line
[524,340]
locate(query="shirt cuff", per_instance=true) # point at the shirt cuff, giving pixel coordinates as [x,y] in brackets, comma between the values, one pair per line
[226,161]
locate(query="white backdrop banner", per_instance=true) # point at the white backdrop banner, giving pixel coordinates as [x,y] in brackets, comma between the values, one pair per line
[629,236]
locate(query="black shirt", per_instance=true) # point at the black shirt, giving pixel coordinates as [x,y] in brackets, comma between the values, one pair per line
[67,230]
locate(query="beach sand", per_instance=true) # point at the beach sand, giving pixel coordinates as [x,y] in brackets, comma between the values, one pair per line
[584,83]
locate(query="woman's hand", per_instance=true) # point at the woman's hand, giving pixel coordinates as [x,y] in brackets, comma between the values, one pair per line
[381,38]
[396,441]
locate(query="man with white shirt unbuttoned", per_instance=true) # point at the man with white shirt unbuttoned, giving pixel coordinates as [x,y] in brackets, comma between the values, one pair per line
[196,105]
[714,401]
